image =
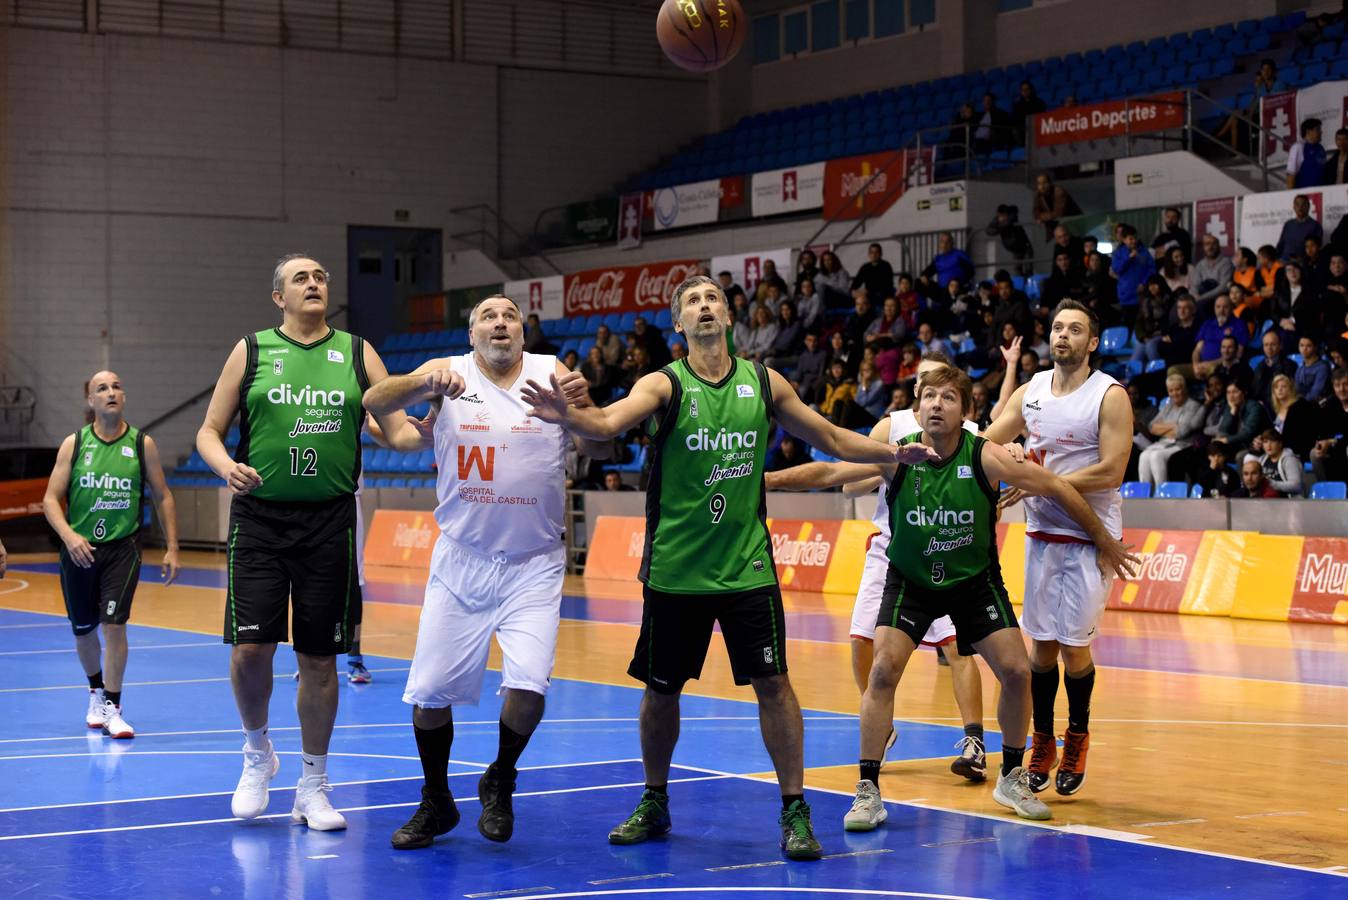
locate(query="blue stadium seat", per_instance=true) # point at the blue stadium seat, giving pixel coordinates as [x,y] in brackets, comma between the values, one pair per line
[1329,490]
[1173,490]
[627,323]
[408,462]
[1136,490]
[1133,368]
[1156,365]
[568,345]
[1114,341]
[1196,492]
[550,326]
[583,348]
[381,461]
[426,461]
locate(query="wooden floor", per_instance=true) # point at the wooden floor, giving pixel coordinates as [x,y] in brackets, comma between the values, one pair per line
[1223,736]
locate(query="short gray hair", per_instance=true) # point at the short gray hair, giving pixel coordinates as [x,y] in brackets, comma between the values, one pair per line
[676,302]
[1176,378]
[472,313]
[276,282]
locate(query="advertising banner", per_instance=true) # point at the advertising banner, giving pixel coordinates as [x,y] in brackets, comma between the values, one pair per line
[686,204]
[1110,118]
[538,295]
[625,288]
[1262,215]
[1281,115]
[630,210]
[1278,122]
[400,538]
[797,189]
[1320,592]
[595,222]
[1168,562]
[1216,218]
[747,268]
[862,186]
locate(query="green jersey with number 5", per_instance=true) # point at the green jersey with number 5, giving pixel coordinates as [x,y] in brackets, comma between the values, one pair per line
[706,507]
[301,421]
[103,500]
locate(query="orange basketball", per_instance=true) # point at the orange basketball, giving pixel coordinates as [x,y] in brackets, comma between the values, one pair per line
[701,35]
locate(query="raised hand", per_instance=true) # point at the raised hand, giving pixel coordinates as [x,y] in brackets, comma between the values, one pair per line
[547,404]
[1012,354]
[908,454]
[444,383]
[574,388]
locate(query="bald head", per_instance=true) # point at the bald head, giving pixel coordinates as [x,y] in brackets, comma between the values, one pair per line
[104,394]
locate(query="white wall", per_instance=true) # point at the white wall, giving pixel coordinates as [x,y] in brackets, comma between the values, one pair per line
[1174,177]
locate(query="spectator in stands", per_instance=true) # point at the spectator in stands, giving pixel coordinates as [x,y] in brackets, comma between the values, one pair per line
[840,351]
[833,283]
[1241,421]
[982,413]
[636,364]
[1051,203]
[1253,484]
[863,314]
[790,452]
[1314,264]
[1172,234]
[770,278]
[789,340]
[1173,429]
[1229,364]
[875,275]
[678,349]
[1175,270]
[840,389]
[613,481]
[1211,274]
[741,312]
[810,367]
[1012,306]
[1270,268]
[1099,291]
[599,375]
[1063,240]
[1336,163]
[809,306]
[872,397]
[1029,365]
[1027,104]
[534,339]
[1144,411]
[993,131]
[949,264]
[571,359]
[961,133]
[1152,322]
[807,267]
[912,306]
[1336,277]
[887,360]
[1089,244]
[909,359]
[1132,265]
[1312,377]
[729,287]
[1239,301]
[926,334]
[1217,479]
[1177,344]
[1246,273]
[1292,415]
[650,339]
[1292,301]
[1271,365]
[1328,459]
[1306,158]
[901,398]
[609,345]
[1235,132]
[1065,282]
[1005,225]
[1207,354]
[1038,342]
[758,340]
[1292,240]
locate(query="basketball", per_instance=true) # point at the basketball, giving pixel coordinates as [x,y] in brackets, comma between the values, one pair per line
[701,35]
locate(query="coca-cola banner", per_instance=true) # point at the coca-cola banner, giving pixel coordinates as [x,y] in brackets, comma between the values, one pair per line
[881,176]
[747,268]
[1218,219]
[625,288]
[797,189]
[538,295]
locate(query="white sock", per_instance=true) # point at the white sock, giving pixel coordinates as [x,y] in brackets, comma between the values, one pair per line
[256,738]
[313,765]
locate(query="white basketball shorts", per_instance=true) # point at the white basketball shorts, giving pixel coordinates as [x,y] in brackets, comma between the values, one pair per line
[470,597]
[1065,593]
[866,608]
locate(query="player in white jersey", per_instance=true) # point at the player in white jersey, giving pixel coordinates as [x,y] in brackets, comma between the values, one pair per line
[499,561]
[964,675]
[1079,424]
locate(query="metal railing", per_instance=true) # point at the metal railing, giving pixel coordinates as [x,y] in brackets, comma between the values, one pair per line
[18,406]
[487,236]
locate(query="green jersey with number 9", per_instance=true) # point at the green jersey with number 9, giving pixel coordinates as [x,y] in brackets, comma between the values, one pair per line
[301,421]
[103,500]
[706,507]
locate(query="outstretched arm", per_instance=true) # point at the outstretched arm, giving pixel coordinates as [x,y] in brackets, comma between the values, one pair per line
[549,403]
[818,476]
[1012,357]
[815,430]
[394,428]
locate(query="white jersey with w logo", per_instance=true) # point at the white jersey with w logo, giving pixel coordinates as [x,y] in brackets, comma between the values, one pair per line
[501,482]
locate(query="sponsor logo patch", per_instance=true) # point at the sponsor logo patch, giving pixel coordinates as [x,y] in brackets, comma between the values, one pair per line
[336,356]
[964,472]
[129,453]
[744,390]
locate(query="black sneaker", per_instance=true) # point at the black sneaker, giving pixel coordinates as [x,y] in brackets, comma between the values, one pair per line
[436,815]
[798,840]
[650,819]
[497,822]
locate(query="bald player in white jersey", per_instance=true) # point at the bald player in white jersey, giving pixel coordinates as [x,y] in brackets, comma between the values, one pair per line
[964,675]
[1079,424]
[499,561]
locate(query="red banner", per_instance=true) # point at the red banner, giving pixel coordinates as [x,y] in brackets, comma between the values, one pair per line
[22,498]
[1167,562]
[732,192]
[1111,118]
[880,175]
[1320,593]
[625,288]
[1217,218]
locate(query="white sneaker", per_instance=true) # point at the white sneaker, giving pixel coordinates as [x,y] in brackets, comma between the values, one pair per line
[312,806]
[259,768]
[114,726]
[95,717]
[1013,792]
[868,810]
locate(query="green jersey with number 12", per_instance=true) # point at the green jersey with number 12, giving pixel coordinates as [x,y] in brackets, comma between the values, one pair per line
[302,417]
[706,508]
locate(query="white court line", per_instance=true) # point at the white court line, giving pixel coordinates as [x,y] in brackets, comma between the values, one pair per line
[128,753]
[37,625]
[851,892]
[137,647]
[925,720]
[13,586]
[279,676]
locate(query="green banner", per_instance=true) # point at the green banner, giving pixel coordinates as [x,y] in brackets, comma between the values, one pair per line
[1100,226]
[595,222]
[460,301]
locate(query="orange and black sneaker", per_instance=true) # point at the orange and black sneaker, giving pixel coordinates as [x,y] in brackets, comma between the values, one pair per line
[1072,772]
[1043,757]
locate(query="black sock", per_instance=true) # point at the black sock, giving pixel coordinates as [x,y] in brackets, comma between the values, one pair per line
[1012,757]
[788,799]
[114,696]
[1043,691]
[1079,689]
[974,731]
[95,680]
[661,789]
[870,771]
[512,744]
[353,654]
[433,747]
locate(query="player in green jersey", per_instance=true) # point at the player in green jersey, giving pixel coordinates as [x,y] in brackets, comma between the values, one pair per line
[943,561]
[100,475]
[292,529]
[708,556]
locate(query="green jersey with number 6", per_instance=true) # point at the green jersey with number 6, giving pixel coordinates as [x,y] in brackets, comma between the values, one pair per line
[302,417]
[106,478]
[706,508]
[943,518]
